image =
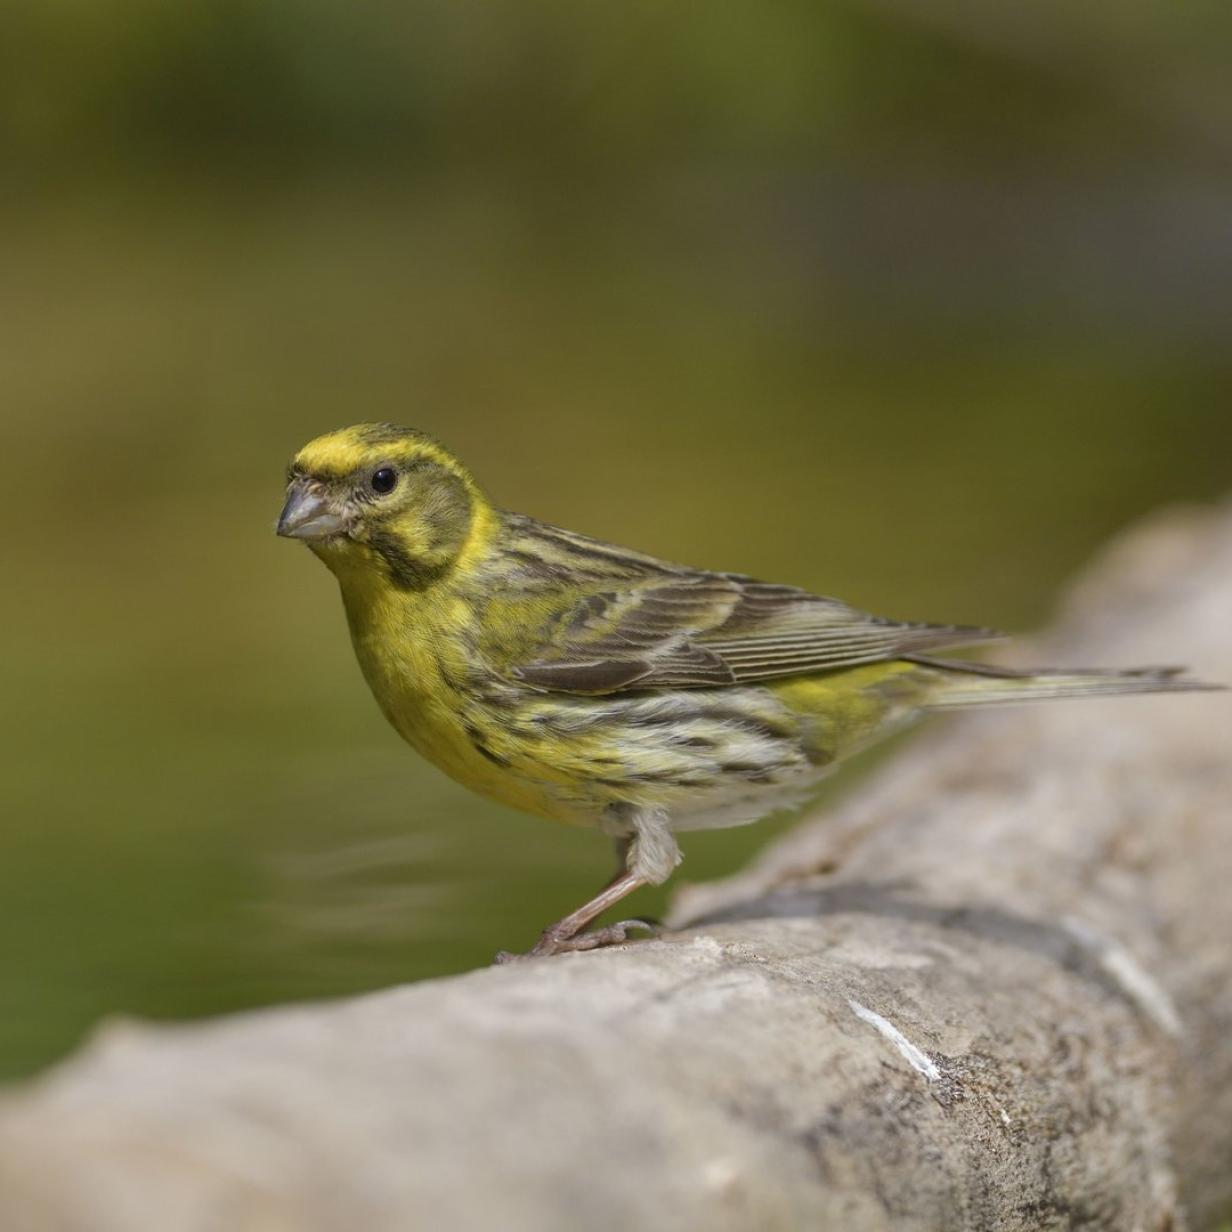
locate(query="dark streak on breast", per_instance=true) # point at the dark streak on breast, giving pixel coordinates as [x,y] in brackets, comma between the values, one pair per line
[473,735]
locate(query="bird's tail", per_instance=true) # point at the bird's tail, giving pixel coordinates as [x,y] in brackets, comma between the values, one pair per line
[976,684]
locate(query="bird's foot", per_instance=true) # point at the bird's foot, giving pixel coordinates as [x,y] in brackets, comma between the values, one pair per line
[552,942]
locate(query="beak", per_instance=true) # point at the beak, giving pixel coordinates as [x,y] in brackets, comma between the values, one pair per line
[308,514]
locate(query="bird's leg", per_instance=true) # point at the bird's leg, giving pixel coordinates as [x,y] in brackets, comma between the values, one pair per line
[646,857]
[567,934]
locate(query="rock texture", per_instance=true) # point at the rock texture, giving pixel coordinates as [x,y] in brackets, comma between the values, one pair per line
[994,990]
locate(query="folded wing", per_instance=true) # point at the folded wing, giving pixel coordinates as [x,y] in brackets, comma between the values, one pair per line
[676,628]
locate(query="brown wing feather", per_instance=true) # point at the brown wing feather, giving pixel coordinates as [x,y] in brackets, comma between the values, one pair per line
[662,626]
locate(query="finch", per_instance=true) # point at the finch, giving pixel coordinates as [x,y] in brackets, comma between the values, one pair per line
[598,686]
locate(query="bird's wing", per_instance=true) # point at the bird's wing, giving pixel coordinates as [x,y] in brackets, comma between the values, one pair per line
[667,627]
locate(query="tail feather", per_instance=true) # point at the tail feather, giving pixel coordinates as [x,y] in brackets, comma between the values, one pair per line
[977,684]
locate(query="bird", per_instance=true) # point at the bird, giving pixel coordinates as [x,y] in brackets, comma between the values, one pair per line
[599,686]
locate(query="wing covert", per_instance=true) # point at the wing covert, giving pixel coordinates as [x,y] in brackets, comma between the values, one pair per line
[677,628]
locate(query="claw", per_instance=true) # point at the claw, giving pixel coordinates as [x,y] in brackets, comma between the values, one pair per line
[613,934]
[550,943]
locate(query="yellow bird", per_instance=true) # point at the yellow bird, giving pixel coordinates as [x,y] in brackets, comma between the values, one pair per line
[599,686]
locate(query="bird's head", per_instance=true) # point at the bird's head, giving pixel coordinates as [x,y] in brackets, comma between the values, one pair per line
[377,496]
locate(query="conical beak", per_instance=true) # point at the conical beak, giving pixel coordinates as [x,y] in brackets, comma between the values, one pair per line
[308,514]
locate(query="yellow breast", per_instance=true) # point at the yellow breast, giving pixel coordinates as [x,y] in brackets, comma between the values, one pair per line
[413,650]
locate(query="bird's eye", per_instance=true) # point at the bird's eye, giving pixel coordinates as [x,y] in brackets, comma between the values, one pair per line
[383,481]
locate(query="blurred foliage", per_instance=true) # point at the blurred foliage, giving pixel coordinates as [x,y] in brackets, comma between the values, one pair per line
[445,81]
[914,304]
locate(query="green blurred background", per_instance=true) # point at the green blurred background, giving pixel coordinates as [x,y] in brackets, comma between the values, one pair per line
[913,303]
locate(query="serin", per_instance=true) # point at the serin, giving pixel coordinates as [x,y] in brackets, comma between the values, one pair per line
[599,686]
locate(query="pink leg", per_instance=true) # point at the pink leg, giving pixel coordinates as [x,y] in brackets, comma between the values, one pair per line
[567,934]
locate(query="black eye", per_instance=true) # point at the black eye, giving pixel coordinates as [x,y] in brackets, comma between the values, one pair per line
[384,480]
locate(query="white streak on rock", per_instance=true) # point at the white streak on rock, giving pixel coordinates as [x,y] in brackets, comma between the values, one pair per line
[1131,977]
[917,1058]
